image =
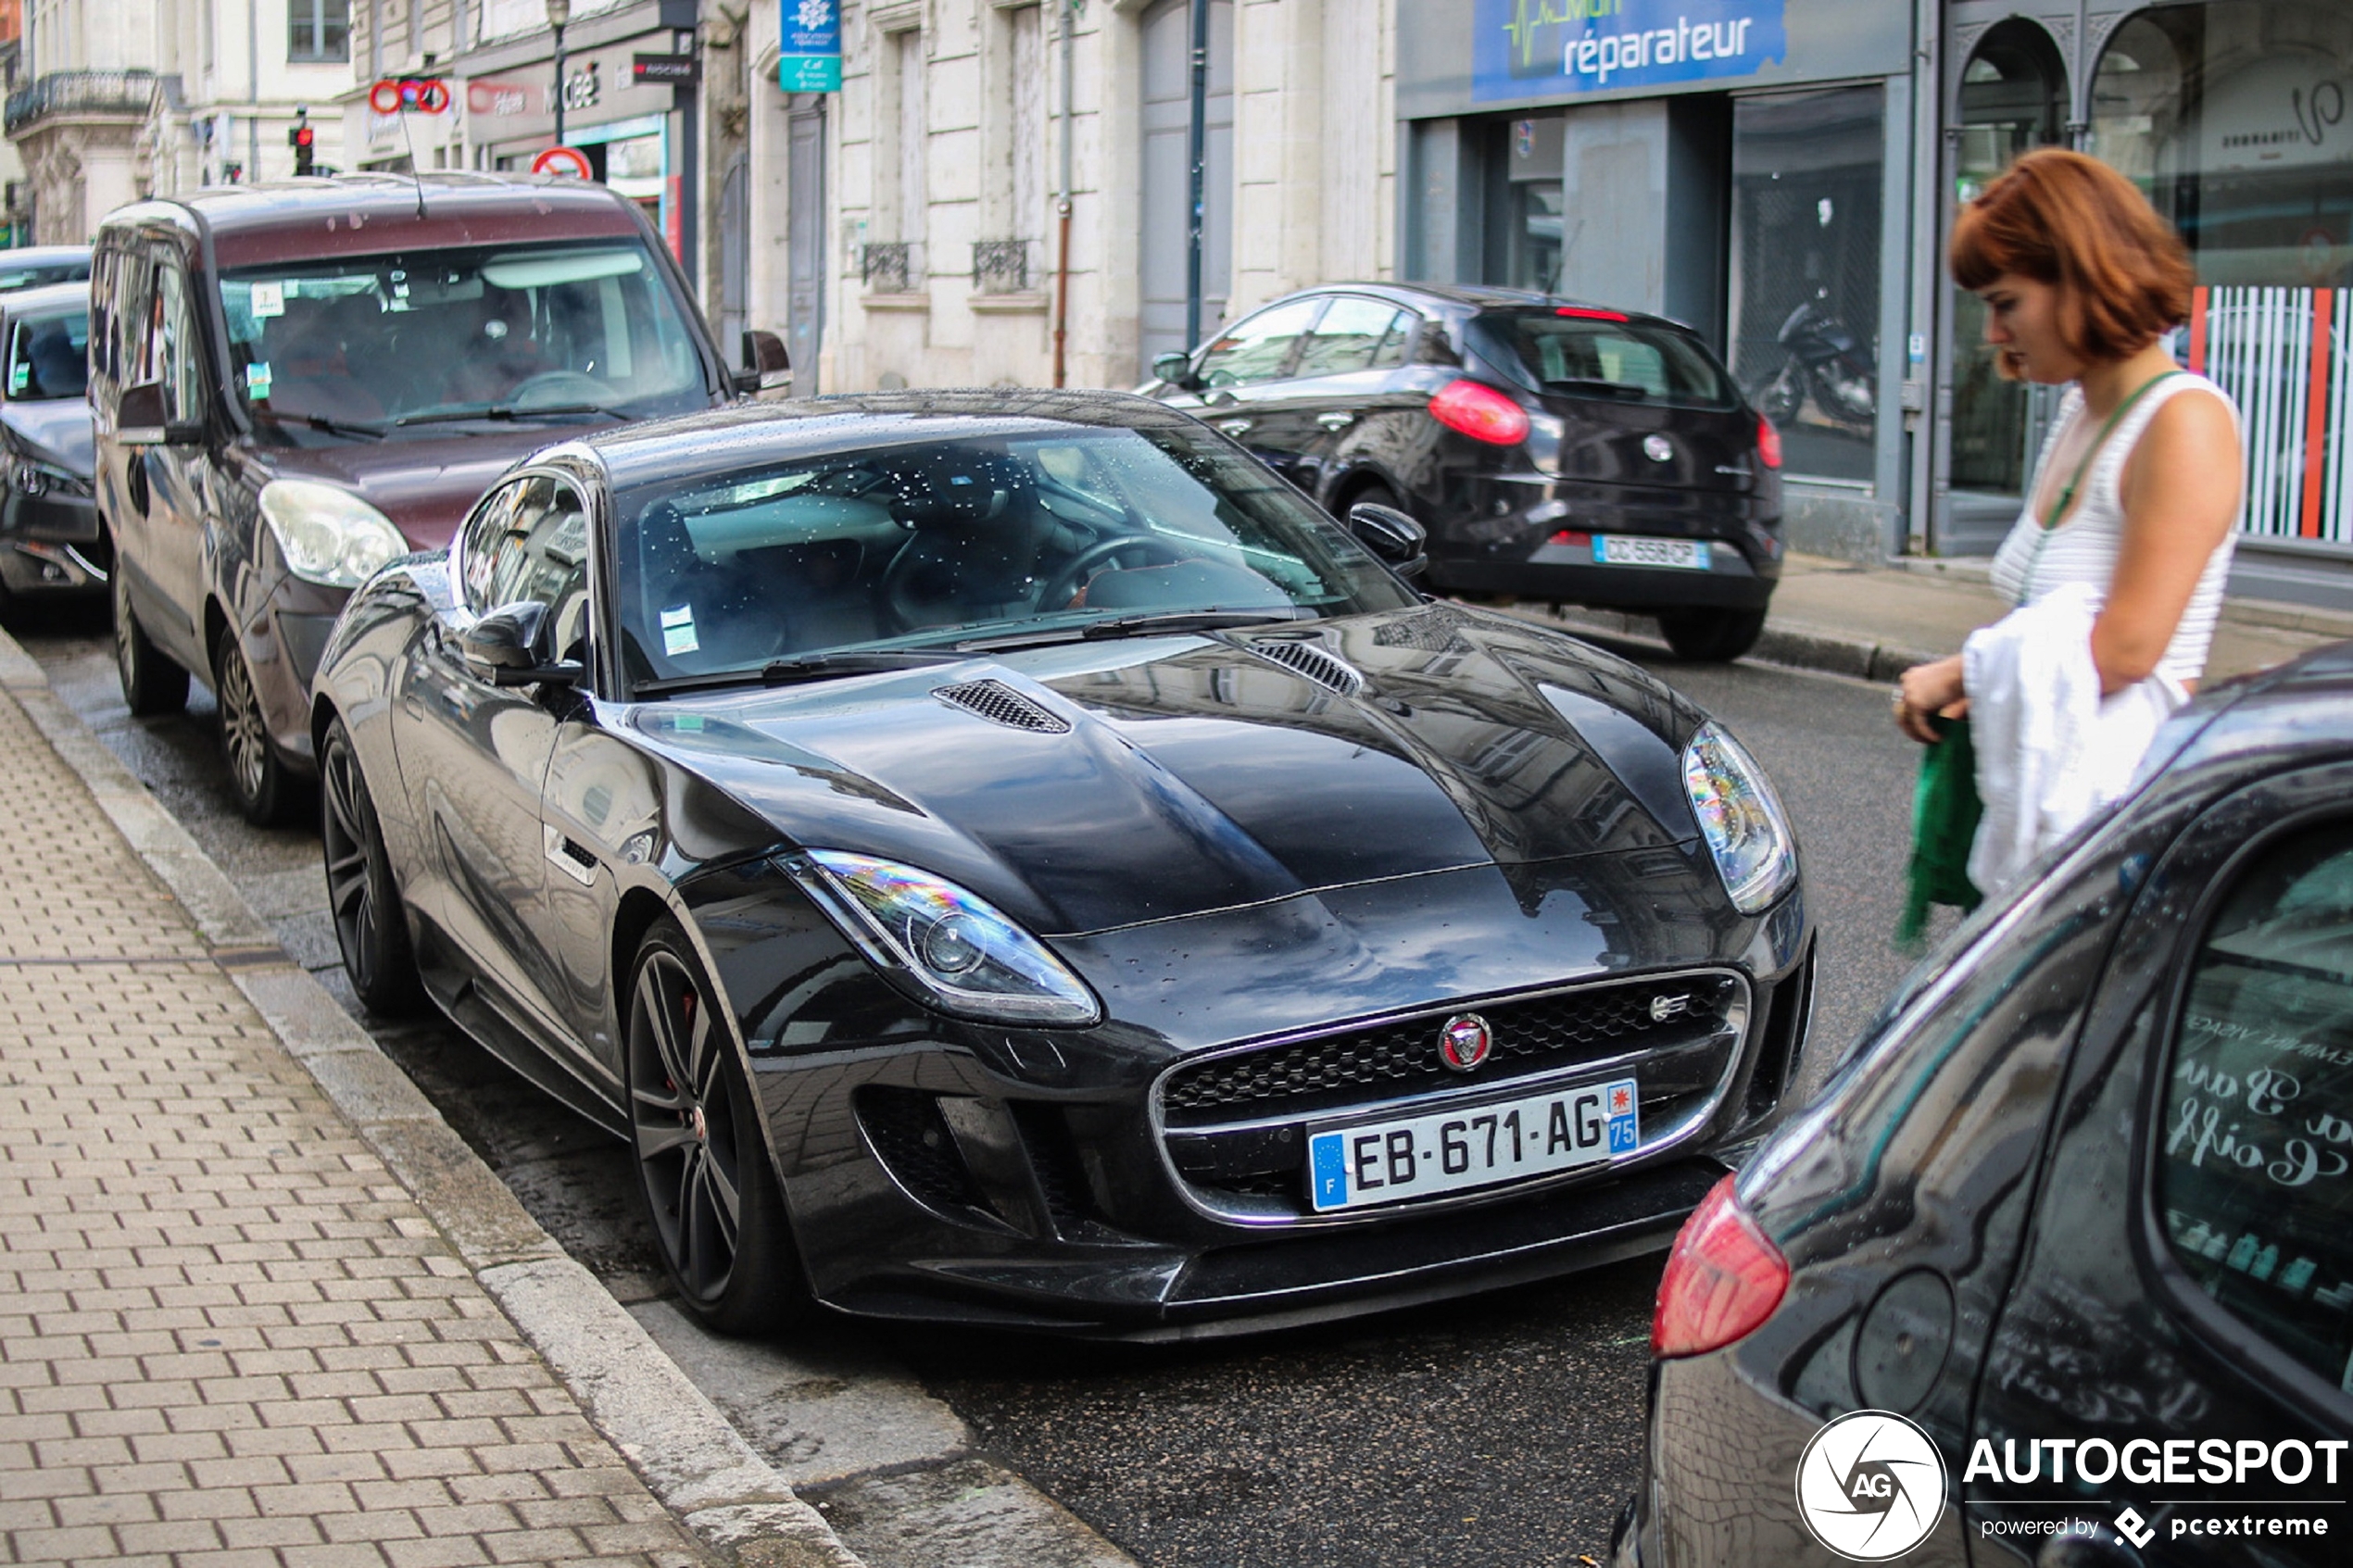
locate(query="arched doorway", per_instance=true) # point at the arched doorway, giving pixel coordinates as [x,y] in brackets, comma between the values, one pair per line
[2012,99]
[1166,192]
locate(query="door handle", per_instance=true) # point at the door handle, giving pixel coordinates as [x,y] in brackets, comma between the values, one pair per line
[1334,421]
[1235,428]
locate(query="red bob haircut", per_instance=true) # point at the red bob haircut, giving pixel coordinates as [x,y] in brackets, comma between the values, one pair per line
[2059,217]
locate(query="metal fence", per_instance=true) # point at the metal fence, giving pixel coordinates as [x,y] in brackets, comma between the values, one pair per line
[80,92]
[2287,359]
[890,267]
[1000,266]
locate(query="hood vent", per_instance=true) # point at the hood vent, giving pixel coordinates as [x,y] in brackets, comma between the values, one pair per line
[1000,704]
[1312,661]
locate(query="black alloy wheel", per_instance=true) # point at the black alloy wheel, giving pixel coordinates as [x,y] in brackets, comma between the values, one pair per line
[1711,637]
[370,927]
[257,779]
[702,1163]
[151,682]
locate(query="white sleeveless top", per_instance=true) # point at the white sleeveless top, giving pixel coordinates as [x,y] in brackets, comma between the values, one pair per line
[2083,547]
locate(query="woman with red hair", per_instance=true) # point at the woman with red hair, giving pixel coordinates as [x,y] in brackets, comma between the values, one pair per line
[2138,485]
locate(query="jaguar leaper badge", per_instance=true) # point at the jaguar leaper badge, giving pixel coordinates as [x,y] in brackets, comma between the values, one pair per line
[1466,1041]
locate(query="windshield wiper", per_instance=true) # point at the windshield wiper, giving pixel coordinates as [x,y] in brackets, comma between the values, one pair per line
[1136,625]
[507,411]
[323,422]
[803,667]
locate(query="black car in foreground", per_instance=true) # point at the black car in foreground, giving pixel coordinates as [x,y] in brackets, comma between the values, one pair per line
[50,542]
[1009,857]
[2059,1268]
[1555,450]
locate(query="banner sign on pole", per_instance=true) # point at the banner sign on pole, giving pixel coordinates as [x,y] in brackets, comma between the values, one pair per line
[810,60]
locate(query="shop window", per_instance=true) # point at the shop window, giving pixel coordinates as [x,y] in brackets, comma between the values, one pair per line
[1525,203]
[1806,172]
[2255,1167]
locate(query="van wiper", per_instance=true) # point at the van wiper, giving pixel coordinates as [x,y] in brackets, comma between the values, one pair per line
[509,411]
[323,422]
[803,667]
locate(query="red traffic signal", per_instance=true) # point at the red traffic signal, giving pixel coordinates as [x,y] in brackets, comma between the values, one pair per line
[304,140]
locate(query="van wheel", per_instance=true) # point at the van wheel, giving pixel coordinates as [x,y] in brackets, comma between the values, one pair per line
[1711,637]
[257,778]
[151,682]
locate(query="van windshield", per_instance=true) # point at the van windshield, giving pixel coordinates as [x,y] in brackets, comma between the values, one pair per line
[418,340]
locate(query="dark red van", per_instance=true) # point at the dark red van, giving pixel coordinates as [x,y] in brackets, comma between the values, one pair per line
[292,384]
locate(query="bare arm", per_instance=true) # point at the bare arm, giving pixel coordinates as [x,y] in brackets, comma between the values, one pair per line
[2180,491]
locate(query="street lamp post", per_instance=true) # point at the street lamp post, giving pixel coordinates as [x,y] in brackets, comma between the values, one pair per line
[559,13]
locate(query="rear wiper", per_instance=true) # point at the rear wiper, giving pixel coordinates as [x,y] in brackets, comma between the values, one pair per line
[1593,386]
[507,411]
[803,667]
[322,421]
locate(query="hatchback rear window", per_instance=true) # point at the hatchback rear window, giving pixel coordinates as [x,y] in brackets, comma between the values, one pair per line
[1586,355]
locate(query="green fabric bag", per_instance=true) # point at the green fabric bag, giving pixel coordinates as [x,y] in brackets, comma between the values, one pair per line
[1944,812]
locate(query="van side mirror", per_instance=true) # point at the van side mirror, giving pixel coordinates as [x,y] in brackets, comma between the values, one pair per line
[1392,536]
[139,419]
[766,364]
[1176,370]
[503,648]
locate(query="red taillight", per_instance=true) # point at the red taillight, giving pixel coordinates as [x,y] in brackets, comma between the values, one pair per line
[1587,313]
[1480,412]
[1769,443]
[1721,1281]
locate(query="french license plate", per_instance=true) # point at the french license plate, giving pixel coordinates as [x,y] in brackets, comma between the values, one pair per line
[1626,549]
[1365,1163]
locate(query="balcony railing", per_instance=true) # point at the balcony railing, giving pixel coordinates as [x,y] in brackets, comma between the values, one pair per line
[81,91]
[1000,266]
[890,267]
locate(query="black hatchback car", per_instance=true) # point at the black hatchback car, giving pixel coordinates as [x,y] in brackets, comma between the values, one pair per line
[1554,450]
[50,542]
[2059,1268]
[1008,857]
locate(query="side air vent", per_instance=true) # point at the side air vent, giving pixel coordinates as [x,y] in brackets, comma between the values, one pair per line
[999,703]
[1312,661]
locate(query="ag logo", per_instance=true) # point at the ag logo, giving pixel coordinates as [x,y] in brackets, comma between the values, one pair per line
[1871,1485]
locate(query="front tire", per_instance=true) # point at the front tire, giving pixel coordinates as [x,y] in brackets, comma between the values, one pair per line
[371,926]
[1711,637]
[258,779]
[703,1165]
[151,682]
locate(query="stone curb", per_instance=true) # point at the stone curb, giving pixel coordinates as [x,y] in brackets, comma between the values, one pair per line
[1800,647]
[692,1459]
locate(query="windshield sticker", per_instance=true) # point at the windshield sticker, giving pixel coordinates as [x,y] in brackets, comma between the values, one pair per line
[268,299]
[678,631]
[256,381]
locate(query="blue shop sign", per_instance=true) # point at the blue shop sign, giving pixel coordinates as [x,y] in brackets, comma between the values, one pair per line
[809,59]
[1534,49]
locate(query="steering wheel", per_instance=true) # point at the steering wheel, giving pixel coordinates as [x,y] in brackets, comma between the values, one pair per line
[559,386]
[1065,584]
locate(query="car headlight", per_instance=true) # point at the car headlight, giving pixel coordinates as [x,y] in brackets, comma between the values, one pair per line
[965,957]
[31,478]
[1742,818]
[327,534]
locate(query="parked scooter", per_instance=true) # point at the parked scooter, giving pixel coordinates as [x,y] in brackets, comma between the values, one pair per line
[1825,362]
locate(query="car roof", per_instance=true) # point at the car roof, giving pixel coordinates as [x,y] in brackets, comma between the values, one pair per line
[48,297]
[1470,298]
[335,215]
[687,447]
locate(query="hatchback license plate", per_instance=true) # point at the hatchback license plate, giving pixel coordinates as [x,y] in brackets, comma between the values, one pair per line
[1365,1163]
[1626,549]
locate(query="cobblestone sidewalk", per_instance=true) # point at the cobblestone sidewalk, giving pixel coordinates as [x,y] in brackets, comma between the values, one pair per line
[228,1336]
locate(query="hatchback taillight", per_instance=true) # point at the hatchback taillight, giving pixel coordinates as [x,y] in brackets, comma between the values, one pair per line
[1723,1279]
[1769,443]
[1480,412]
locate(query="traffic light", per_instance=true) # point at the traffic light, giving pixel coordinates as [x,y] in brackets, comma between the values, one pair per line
[302,139]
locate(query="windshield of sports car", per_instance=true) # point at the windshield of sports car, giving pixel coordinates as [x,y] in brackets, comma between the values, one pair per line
[49,354]
[373,347]
[1043,534]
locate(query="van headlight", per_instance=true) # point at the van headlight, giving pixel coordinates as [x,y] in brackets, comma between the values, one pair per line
[955,948]
[327,534]
[1740,818]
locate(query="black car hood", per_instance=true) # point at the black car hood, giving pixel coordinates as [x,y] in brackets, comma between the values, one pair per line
[1183,774]
[54,430]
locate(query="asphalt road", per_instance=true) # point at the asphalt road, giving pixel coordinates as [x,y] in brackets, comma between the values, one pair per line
[1502,1431]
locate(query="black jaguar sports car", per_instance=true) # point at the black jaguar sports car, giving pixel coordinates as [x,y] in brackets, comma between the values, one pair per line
[1010,858]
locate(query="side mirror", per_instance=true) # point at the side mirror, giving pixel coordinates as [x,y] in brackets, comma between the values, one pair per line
[1392,536]
[139,419]
[1176,370]
[503,648]
[766,364]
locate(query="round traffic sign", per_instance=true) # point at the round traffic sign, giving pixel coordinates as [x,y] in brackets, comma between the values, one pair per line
[563,160]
